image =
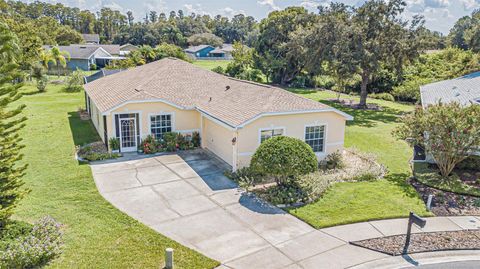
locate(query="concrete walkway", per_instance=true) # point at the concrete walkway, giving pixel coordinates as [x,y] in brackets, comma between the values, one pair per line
[187,198]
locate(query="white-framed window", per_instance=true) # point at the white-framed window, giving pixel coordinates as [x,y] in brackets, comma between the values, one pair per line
[160,124]
[315,137]
[269,133]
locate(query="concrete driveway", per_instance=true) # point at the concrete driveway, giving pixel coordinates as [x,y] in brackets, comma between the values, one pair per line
[187,198]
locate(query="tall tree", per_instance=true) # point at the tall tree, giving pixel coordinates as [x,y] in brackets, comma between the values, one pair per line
[11,191]
[274,56]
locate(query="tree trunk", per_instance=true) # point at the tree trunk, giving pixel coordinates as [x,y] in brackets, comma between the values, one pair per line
[363,90]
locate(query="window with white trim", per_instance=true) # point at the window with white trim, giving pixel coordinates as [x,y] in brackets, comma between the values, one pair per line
[266,134]
[315,137]
[160,124]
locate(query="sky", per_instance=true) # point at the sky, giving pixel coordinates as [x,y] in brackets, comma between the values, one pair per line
[440,15]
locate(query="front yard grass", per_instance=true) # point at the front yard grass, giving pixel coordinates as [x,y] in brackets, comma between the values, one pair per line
[97,235]
[211,64]
[391,197]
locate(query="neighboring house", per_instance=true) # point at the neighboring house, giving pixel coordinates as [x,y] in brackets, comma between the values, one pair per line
[232,116]
[207,52]
[127,48]
[91,38]
[85,56]
[199,51]
[464,90]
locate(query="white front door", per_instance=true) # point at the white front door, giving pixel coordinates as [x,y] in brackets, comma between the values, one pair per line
[128,134]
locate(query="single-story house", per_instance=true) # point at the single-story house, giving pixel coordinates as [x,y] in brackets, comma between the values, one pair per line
[465,90]
[91,38]
[199,51]
[209,52]
[84,56]
[232,116]
[127,48]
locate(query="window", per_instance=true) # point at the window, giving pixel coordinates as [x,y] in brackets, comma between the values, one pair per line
[315,137]
[160,124]
[266,134]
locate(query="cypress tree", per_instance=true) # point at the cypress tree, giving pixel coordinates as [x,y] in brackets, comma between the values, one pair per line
[11,121]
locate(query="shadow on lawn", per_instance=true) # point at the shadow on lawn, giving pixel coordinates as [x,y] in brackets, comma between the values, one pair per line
[367,118]
[83,131]
[400,180]
[364,118]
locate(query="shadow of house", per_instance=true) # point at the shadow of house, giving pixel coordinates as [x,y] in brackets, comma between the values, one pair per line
[83,131]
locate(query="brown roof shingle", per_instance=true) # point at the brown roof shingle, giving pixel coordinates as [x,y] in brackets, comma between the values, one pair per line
[187,86]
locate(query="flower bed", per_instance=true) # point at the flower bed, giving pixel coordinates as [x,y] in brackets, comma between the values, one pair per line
[350,166]
[95,151]
[170,142]
[424,242]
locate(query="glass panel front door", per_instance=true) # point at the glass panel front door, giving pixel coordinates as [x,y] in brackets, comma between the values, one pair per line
[128,137]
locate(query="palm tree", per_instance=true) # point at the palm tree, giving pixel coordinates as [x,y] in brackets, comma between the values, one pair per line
[59,58]
[46,58]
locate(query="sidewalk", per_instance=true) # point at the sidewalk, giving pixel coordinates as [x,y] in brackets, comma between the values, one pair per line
[330,248]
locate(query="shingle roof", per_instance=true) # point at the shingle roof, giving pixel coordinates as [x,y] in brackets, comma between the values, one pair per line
[76,51]
[91,38]
[190,87]
[464,90]
[102,73]
[194,49]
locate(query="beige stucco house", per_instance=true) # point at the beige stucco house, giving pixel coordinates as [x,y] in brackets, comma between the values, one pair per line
[232,116]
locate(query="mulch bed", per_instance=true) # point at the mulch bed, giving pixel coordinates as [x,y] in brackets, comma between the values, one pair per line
[424,242]
[448,203]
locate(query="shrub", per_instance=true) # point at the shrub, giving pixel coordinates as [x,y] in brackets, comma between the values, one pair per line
[383,96]
[246,177]
[283,158]
[324,82]
[96,151]
[453,132]
[287,194]
[42,84]
[74,82]
[170,141]
[219,70]
[40,245]
[93,67]
[315,184]
[333,161]
[114,143]
[470,163]
[150,145]
[196,140]
[100,156]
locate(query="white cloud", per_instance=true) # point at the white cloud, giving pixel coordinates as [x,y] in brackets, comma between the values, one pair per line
[230,12]
[437,3]
[155,5]
[470,4]
[269,3]
[197,9]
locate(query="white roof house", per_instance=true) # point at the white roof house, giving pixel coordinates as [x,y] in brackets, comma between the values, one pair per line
[464,90]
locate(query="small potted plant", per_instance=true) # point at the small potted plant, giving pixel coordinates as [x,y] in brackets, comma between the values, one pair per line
[114,144]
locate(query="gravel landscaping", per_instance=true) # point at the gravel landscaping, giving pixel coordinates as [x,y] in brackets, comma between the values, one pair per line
[448,203]
[424,242]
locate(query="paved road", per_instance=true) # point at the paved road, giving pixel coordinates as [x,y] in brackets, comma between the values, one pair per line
[451,265]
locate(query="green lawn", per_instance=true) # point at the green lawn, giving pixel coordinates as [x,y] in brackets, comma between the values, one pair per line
[355,202]
[210,64]
[97,235]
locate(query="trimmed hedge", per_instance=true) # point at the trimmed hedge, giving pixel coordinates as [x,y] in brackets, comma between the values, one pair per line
[283,158]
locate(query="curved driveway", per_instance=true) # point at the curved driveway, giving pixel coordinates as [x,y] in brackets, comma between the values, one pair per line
[186,197]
